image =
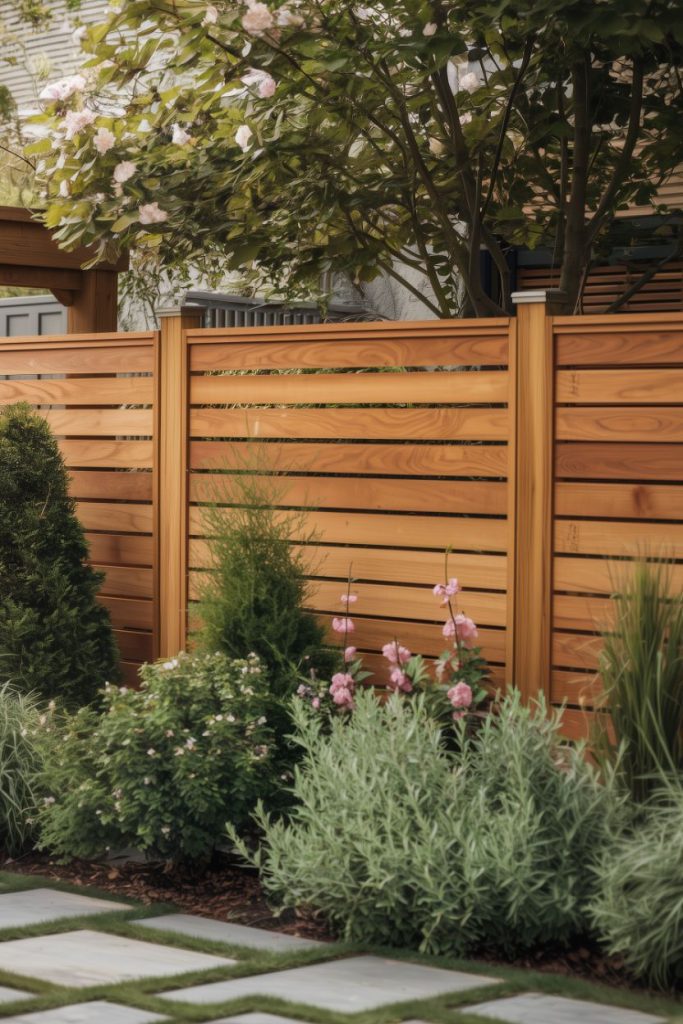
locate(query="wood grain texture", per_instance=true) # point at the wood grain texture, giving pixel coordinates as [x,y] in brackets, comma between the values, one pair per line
[129,613]
[422,460]
[592,537]
[351,388]
[474,498]
[83,359]
[571,650]
[615,461]
[618,344]
[120,549]
[111,485]
[134,645]
[99,422]
[479,349]
[94,454]
[620,501]
[581,689]
[642,386]
[385,564]
[614,424]
[582,725]
[365,424]
[110,517]
[599,575]
[78,391]
[124,581]
[401,531]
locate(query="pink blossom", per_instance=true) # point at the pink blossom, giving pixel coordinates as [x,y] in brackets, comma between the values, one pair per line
[460,695]
[429,29]
[258,18]
[267,87]
[343,698]
[262,81]
[103,140]
[467,631]
[315,703]
[447,590]
[349,654]
[76,120]
[342,680]
[150,213]
[398,680]
[63,89]
[123,171]
[348,598]
[342,625]
[458,714]
[448,628]
[395,654]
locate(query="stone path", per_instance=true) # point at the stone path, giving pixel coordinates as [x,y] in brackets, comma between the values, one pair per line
[82,957]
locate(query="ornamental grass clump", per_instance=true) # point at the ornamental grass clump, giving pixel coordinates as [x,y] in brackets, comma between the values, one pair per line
[55,639]
[397,840]
[24,725]
[163,768]
[641,666]
[638,908]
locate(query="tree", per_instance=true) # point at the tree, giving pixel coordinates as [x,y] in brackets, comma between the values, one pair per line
[54,637]
[401,138]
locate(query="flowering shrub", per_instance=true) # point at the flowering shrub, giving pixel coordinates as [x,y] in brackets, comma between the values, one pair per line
[163,768]
[396,840]
[452,691]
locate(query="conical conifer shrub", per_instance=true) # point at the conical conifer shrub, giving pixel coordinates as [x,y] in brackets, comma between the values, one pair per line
[55,638]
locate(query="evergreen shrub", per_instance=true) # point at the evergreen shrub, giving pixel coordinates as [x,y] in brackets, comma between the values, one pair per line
[55,639]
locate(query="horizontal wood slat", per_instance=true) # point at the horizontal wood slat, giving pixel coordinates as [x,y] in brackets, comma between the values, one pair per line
[372,493]
[120,548]
[129,613]
[419,637]
[134,645]
[615,461]
[590,537]
[80,359]
[100,422]
[620,387]
[113,485]
[365,424]
[619,501]
[614,341]
[107,516]
[96,454]
[78,391]
[370,459]
[414,531]
[482,350]
[599,575]
[577,652]
[124,581]
[608,424]
[351,388]
[422,567]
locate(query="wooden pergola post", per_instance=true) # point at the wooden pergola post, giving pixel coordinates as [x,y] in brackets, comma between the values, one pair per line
[30,258]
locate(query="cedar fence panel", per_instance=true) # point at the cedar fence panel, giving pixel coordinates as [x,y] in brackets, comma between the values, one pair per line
[97,393]
[544,451]
[397,447]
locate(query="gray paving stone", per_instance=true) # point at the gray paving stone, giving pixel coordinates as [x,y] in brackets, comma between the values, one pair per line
[83,958]
[96,1012]
[347,986]
[37,906]
[227,931]
[536,1008]
[11,995]
[256,1017]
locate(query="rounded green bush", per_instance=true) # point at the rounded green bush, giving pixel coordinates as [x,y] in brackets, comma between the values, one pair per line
[397,841]
[163,768]
[638,909]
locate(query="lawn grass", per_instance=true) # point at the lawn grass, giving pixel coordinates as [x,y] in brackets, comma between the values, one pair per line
[144,993]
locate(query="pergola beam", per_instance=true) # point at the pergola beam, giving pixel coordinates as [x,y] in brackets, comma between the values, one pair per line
[30,258]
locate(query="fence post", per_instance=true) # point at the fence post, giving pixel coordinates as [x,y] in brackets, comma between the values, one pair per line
[170,445]
[534,453]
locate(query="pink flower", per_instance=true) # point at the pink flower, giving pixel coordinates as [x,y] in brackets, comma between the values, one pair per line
[395,654]
[458,714]
[398,680]
[460,695]
[447,590]
[258,18]
[350,654]
[467,631]
[103,140]
[315,703]
[348,598]
[150,213]
[342,625]
[76,120]
[343,698]
[342,681]
[448,628]
[260,80]
[123,171]
[63,89]
[267,87]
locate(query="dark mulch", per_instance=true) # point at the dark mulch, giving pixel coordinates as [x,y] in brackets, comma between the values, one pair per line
[229,890]
[226,890]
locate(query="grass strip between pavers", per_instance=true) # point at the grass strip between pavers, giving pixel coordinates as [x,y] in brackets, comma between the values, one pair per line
[142,994]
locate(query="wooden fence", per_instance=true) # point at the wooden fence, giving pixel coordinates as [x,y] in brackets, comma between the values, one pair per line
[533,447]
